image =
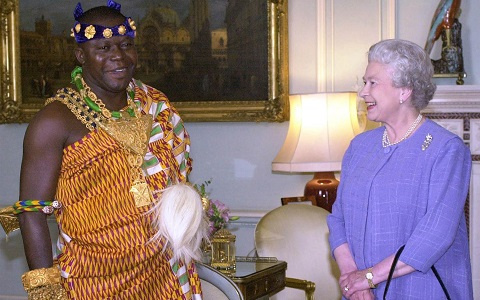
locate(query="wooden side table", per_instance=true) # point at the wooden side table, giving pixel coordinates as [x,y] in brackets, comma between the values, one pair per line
[259,277]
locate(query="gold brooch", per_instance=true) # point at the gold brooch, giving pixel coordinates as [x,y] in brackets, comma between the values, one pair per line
[90,32]
[132,23]
[427,141]
[122,30]
[107,33]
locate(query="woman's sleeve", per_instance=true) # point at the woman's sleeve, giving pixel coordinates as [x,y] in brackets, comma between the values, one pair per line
[448,188]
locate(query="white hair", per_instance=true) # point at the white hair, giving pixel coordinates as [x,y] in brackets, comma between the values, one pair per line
[411,65]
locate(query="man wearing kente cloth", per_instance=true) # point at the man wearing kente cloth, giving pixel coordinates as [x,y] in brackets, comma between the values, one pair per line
[98,155]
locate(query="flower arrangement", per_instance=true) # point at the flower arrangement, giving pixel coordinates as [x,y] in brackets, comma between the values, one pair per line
[217,212]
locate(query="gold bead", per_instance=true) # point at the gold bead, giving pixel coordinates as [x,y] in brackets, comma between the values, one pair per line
[122,30]
[90,32]
[107,33]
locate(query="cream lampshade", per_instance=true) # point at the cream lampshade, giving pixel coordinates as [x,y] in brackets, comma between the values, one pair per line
[321,128]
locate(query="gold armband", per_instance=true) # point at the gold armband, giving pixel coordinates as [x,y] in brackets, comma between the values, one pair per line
[48,292]
[40,277]
[43,284]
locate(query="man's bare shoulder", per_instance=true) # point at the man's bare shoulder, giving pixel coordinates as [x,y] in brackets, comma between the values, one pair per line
[55,114]
[55,123]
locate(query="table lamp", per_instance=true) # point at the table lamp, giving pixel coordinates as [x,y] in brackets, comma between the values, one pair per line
[320,130]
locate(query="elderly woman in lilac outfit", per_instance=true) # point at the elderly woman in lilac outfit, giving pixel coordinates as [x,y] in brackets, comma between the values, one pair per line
[404,183]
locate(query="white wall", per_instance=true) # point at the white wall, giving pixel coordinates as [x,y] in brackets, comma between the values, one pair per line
[237,156]
[12,260]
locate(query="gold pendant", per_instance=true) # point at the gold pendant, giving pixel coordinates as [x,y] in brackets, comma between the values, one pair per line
[141,193]
[8,220]
[133,133]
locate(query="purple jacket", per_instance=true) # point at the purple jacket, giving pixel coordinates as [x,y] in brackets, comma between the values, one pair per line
[403,195]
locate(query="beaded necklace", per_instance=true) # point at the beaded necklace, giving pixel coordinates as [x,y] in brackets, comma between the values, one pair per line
[386,141]
[97,104]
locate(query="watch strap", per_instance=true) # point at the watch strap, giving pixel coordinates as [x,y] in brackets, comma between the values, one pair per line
[369,277]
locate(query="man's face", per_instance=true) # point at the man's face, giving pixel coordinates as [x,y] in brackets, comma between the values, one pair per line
[108,64]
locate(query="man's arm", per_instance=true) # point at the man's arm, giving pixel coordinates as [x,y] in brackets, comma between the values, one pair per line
[42,156]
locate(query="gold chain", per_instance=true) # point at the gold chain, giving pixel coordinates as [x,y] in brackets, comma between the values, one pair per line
[87,91]
[74,101]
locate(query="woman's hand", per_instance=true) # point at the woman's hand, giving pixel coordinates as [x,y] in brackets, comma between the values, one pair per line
[363,295]
[354,282]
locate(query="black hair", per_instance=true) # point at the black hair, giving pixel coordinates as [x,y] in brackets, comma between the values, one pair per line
[99,13]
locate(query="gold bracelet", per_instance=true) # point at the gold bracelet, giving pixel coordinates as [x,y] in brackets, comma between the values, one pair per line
[369,277]
[40,277]
[48,292]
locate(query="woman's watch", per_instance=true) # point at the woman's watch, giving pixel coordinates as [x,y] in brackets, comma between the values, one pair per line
[369,276]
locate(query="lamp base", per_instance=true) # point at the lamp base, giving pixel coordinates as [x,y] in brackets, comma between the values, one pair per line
[323,187]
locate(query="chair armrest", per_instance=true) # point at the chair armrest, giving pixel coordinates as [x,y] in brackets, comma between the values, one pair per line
[307,286]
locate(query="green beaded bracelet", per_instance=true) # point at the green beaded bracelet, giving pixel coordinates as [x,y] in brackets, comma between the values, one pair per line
[46,207]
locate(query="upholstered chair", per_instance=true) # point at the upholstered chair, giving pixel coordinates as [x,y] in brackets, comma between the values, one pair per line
[216,285]
[298,234]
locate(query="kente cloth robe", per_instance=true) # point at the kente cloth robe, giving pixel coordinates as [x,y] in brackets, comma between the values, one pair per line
[103,244]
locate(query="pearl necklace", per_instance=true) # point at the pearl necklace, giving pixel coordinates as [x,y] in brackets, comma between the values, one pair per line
[386,140]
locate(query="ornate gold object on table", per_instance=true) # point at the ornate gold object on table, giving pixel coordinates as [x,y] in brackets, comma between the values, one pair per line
[218,216]
[8,220]
[223,251]
[44,284]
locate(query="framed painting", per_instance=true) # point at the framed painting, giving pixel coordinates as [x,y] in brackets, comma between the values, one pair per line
[216,60]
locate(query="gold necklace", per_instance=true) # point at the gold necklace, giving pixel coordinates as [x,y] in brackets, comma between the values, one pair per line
[96,104]
[132,132]
[386,141]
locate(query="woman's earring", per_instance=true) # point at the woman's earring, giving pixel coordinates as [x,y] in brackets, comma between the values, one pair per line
[401,101]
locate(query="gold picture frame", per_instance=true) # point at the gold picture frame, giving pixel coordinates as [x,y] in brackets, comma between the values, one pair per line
[272,109]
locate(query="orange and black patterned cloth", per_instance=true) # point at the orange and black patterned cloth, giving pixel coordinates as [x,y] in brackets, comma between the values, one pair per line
[103,245]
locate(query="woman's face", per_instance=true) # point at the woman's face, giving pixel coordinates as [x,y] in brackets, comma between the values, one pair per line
[381,97]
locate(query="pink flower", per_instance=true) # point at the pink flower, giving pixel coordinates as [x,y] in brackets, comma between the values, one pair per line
[218,213]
